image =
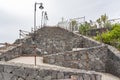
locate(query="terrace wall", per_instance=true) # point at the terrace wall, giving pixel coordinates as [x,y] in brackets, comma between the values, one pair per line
[89,58]
[113,61]
[12,71]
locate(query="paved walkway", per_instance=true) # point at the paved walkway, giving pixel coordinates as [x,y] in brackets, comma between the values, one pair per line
[39,61]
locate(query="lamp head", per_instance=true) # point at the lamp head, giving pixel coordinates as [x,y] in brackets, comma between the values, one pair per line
[41,6]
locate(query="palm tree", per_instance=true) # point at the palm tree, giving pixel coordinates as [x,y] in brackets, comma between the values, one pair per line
[99,22]
[106,23]
[104,18]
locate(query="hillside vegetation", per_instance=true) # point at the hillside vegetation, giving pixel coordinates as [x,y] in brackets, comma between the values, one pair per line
[111,37]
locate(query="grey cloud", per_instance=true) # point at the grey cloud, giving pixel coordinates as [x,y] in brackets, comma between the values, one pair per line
[9,19]
[57,9]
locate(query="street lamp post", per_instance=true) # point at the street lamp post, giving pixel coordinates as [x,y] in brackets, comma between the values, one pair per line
[35,27]
[41,7]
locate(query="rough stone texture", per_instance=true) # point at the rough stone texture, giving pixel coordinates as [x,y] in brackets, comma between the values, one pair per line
[11,53]
[52,40]
[88,42]
[88,59]
[113,61]
[30,72]
[49,40]
[57,44]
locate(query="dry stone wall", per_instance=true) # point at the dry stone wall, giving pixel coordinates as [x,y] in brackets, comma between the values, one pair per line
[12,71]
[11,53]
[51,40]
[89,59]
[56,45]
[113,61]
[88,42]
[48,40]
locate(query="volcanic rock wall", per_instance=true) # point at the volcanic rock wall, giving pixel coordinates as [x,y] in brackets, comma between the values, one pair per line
[87,59]
[12,71]
[113,61]
[51,40]
[11,53]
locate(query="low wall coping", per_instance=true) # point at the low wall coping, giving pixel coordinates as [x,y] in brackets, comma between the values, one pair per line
[114,50]
[82,49]
[40,67]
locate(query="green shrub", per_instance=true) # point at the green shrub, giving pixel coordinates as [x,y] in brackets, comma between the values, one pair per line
[83,28]
[111,36]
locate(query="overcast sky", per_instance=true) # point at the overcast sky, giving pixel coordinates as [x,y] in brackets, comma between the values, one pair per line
[18,14]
